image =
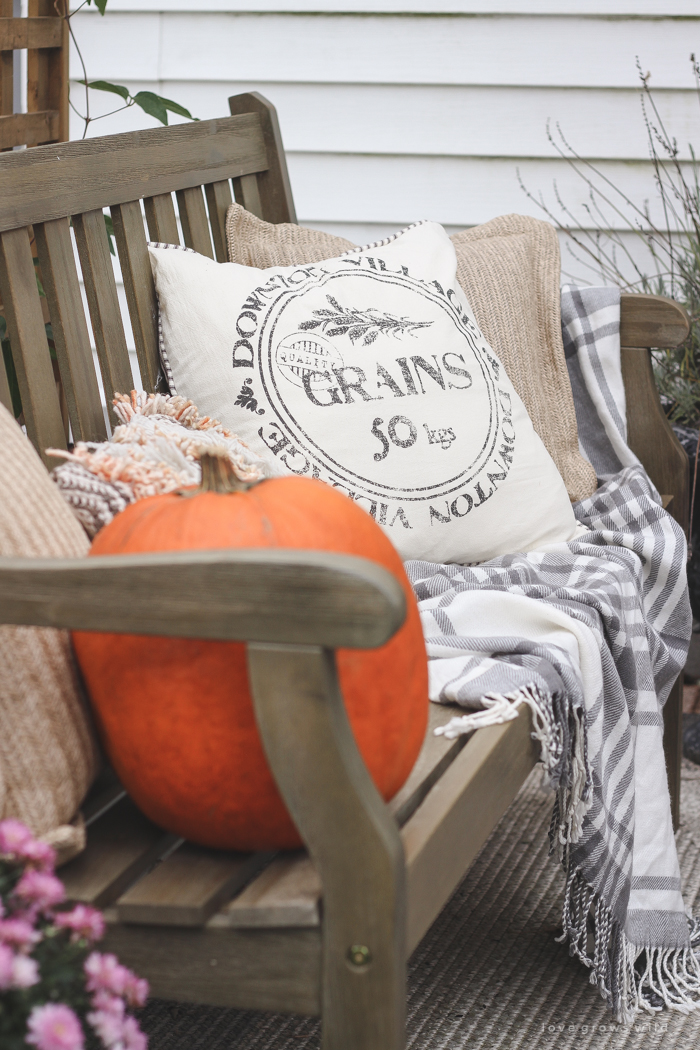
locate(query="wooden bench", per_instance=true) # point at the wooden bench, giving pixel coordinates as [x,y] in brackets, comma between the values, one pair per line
[327,931]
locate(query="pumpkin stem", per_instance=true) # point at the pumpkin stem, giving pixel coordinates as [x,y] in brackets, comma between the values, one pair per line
[218,475]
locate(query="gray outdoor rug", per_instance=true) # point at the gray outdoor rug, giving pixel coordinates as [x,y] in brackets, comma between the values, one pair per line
[489,974]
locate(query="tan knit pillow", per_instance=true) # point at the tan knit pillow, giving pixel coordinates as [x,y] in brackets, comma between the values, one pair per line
[509,270]
[48,757]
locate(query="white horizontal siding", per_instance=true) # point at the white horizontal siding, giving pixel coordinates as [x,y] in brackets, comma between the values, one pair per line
[371,49]
[464,121]
[590,8]
[392,110]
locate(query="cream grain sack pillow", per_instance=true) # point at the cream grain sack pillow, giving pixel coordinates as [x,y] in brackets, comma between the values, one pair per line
[369,372]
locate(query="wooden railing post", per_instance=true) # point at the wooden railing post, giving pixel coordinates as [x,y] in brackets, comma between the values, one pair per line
[44,35]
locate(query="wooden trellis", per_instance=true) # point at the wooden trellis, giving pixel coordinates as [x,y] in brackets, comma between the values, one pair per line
[44,33]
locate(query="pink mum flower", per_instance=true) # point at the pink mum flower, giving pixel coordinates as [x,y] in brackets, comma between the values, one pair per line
[105,973]
[84,921]
[40,854]
[25,972]
[14,837]
[18,932]
[7,957]
[40,888]
[108,1019]
[136,990]
[134,1038]
[54,1027]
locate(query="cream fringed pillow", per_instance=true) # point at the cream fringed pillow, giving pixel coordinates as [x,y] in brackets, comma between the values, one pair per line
[509,270]
[48,756]
[369,372]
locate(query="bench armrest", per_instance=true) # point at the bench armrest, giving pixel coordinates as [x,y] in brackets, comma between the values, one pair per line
[292,607]
[283,596]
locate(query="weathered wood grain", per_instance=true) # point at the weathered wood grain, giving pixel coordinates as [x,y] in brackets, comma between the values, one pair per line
[161,219]
[47,68]
[193,217]
[115,169]
[103,303]
[19,33]
[435,756]
[286,893]
[6,66]
[5,396]
[70,333]
[273,186]
[30,351]
[189,886]
[29,129]
[121,845]
[652,321]
[248,195]
[218,200]
[446,832]
[247,969]
[130,236]
[231,594]
[351,836]
[649,433]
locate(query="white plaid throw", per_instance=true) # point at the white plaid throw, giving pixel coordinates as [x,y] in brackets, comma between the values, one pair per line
[591,635]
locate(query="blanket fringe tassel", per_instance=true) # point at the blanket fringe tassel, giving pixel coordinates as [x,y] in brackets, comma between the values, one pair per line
[562,739]
[631,979]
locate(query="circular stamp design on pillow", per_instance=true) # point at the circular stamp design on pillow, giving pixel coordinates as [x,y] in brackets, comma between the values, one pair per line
[304,356]
[382,384]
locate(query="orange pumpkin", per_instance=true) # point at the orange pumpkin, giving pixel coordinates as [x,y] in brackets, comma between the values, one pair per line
[176,716]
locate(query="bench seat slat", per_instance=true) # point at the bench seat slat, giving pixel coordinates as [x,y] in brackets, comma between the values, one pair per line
[286,893]
[70,331]
[30,351]
[103,303]
[459,814]
[122,844]
[188,887]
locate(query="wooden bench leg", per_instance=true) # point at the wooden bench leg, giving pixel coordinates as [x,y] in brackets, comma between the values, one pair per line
[673,747]
[352,838]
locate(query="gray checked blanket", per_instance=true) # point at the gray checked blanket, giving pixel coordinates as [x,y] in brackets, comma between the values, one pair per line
[590,635]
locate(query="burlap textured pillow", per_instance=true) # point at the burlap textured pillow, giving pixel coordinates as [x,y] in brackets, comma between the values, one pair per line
[48,757]
[509,269]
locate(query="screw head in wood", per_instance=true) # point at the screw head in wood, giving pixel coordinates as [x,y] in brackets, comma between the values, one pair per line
[359,955]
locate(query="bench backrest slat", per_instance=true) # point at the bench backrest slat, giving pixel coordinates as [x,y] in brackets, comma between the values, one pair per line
[219,199]
[103,302]
[43,188]
[49,182]
[193,217]
[70,331]
[161,218]
[130,236]
[30,351]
